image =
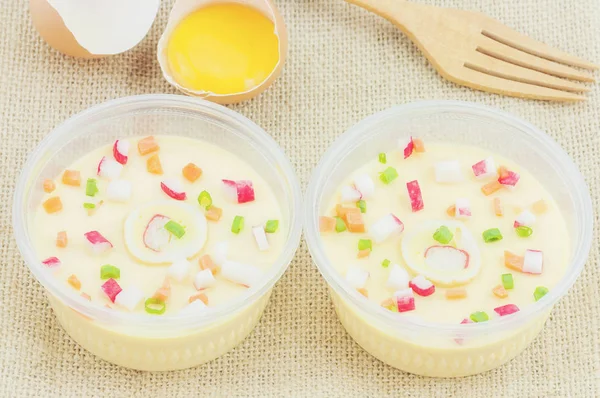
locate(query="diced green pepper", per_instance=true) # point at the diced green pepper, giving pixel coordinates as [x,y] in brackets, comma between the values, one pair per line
[174,228]
[109,271]
[340,225]
[91,189]
[385,263]
[443,235]
[382,158]
[540,292]
[507,281]
[524,231]
[205,200]
[362,205]
[492,235]
[365,244]
[271,226]
[479,316]
[238,224]
[388,175]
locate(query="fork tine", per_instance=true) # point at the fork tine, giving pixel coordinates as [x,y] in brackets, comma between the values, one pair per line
[496,67]
[510,37]
[481,81]
[498,50]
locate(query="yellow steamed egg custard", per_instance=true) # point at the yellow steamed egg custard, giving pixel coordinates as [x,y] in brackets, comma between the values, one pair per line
[447,233]
[158,225]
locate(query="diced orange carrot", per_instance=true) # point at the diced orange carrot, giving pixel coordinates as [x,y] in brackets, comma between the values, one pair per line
[388,302]
[147,145]
[342,212]
[498,208]
[86,296]
[214,213]
[456,293]
[153,165]
[491,187]
[326,224]
[73,281]
[502,172]
[207,263]
[71,177]
[451,211]
[363,291]
[364,253]
[164,292]
[61,239]
[539,207]
[52,205]
[192,172]
[418,145]
[500,292]
[512,261]
[49,186]
[199,296]
[355,222]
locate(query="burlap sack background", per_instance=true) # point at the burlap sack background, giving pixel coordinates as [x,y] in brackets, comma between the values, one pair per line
[344,64]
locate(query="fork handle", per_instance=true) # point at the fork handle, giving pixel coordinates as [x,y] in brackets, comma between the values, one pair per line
[402,13]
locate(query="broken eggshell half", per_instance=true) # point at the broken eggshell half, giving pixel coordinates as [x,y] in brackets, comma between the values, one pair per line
[93,29]
[183,8]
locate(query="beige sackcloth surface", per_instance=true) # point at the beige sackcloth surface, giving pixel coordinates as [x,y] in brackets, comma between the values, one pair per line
[344,64]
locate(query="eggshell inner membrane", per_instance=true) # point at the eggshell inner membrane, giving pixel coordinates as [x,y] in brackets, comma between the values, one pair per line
[109,26]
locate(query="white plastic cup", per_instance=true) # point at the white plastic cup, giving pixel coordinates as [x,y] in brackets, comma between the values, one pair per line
[142,341]
[412,344]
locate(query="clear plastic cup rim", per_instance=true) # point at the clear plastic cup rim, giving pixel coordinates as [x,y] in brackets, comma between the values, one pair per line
[100,313]
[412,323]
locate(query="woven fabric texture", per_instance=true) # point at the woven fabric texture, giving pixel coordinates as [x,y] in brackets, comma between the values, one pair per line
[344,64]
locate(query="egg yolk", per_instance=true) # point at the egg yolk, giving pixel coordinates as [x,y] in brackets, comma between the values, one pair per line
[223,49]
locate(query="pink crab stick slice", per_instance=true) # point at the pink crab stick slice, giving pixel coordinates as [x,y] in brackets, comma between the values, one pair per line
[365,186]
[111,288]
[385,227]
[414,193]
[524,219]
[462,208]
[129,298]
[357,277]
[121,151]
[533,261]
[220,251]
[507,178]
[260,237]
[398,278]
[460,340]
[484,168]
[119,191]
[405,300]
[155,235]
[51,262]
[407,146]
[349,195]
[450,257]
[448,171]
[204,279]
[506,309]
[96,242]
[109,168]
[173,188]
[242,274]
[422,286]
[240,191]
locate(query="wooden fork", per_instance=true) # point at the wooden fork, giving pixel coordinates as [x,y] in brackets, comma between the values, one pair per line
[477,51]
